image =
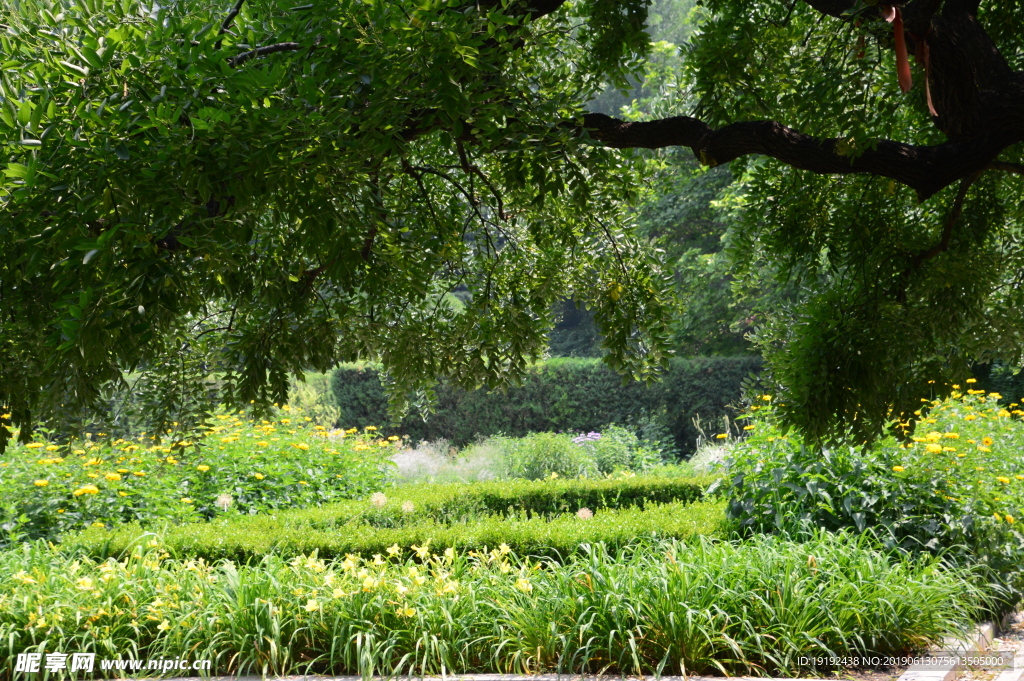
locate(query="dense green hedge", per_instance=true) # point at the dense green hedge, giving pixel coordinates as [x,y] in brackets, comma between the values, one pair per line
[559,395]
[532,517]
[554,538]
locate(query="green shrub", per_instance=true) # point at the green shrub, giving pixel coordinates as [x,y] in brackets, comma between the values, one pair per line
[617,448]
[418,512]
[251,538]
[563,394]
[542,455]
[660,608]
[955,489]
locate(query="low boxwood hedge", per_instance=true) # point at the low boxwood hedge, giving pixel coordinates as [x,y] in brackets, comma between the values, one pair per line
[245,539]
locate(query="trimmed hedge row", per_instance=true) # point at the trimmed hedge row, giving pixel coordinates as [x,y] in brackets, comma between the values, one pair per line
[564,394]
[554,538]
[460,503]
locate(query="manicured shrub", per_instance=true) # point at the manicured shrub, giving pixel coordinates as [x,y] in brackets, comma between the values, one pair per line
[616,448]
[550,537]
[519,513]
[955,488]
[563,394]
[660,608]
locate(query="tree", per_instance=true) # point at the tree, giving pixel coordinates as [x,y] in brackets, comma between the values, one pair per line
[275,187]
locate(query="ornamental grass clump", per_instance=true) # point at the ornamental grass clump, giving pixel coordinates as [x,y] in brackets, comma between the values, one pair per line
[953,486]
[670,608]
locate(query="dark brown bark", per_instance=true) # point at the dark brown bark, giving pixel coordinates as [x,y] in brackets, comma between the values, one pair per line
[978,100]
[925,169]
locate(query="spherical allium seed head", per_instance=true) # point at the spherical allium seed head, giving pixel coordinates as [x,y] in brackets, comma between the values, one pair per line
[224,501]
[584,513]
[408,507]
[378,499]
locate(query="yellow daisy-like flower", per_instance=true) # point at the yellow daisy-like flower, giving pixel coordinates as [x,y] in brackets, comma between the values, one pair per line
[1010,519]
[900,469]
[34,445]
[92,475]
[52,448]
[79,452]
[371,428]
[972,380]
[748,427]
[186,500]
[202,468]
[301,445]
[1005,481]
[982,448]
[139,473]
[41,483]
[258,476]
[112,477]
[262,443]
[933,448]
[721,436]
[87,489]
[987,441]
[952,436]
[98,524]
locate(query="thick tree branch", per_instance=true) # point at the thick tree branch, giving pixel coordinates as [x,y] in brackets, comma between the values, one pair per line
[1007,167]
[262,52]
[925,169]
[226,24]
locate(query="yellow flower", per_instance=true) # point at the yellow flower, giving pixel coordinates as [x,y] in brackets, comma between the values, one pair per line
[112,477]
[987,441]
[972,380]
[23,577]
[524,585]
[748,427]
[393,438]
[303,482]
[952,436]
[504,550]
[1005,481]
[122,494]
[394,550]
[164,626]
[139,473]
[338,593]
[41,483]
[186,500]
[87,489]
[92,475]
[898,469]
[301,445]
[406,612]
[98,524]
[85,584]
[52,448]
[422,551]
[262,443]
[312,605]
[371,428]
[122,470]
[79,452]
[258,476]
[983,449]
[1019,477]
[722,436]
[933,448]
[202,468]
[34,445]
[1010,519]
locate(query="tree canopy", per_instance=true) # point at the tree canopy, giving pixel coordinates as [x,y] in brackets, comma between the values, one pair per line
[271,187]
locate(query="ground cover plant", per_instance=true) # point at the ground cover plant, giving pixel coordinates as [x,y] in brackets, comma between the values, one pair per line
[236,466]
[953,486]
[696,607]
[551,518]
